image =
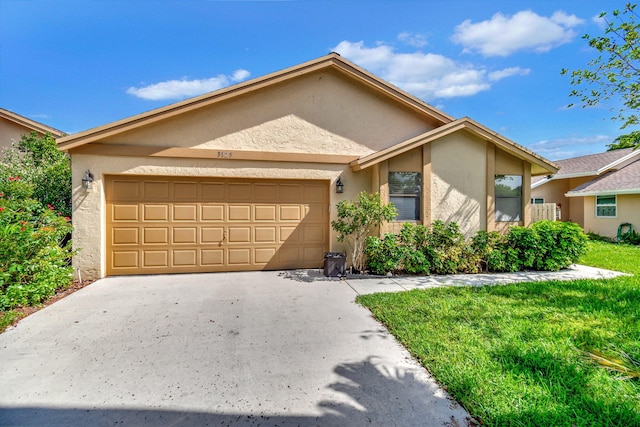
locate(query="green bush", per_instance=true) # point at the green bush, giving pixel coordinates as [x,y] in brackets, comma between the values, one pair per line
[442,249]
[33,264]
[631,238]
[36,160]
[560,244]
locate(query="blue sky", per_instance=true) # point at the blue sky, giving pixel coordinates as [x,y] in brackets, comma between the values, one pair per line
[74,65]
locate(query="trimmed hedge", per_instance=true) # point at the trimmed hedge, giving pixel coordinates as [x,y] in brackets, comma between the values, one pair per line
[442,249]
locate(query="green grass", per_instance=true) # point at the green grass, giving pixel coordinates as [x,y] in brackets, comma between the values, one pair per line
[515,355]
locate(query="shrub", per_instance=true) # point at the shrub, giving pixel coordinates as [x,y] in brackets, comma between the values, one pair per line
[631,238]
[560,244]
[33,264]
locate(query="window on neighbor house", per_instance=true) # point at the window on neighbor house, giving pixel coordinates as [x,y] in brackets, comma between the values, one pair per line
[405,189]
[606,206]
[537,201]
[508,195]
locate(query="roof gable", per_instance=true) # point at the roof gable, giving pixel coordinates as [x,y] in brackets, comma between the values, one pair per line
[539,164]
[332,61]
[28,123]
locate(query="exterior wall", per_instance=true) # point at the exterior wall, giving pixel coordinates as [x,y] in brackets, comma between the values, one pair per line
[458,182]
[11,132]
[317,113]
[89,216]
[628,210]
[554,192]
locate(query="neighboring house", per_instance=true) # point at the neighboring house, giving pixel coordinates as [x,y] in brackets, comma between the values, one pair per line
[13,126]
[244,178]
[599,191]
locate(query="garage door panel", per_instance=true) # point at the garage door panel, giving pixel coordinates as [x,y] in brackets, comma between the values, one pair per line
[290,213]
[212,212]
[211,235]
[239,234]
[185,258]
[125,259]
[167,225]
[213,191]
[185,235]
[184,190]
[240,256]
[264,255]
[125,236]
[155,190]
[265,234]
[212,257]
[124,212]
[155,258]
[155,235]
[240,213]
[155,212]
[185,212]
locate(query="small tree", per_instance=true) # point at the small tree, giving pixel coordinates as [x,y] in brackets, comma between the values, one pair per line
[613,75]
[359,219]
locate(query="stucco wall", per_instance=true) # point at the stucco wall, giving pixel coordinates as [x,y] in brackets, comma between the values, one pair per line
[89,207]
[554,192]
[322,112]
[11,132]
[458,181]
[628,211]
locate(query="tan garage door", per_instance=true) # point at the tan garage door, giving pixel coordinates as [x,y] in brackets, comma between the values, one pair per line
[179,225]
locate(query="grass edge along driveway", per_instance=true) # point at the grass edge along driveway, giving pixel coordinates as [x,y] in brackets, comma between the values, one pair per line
[515,354]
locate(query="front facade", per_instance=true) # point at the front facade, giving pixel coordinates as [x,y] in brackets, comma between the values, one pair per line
[244,178]
[599,192]
[13,126]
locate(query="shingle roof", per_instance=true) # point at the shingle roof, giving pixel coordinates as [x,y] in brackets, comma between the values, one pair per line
[623,181]
[592,163]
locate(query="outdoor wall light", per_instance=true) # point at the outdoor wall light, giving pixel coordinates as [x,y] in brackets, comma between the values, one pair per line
[87,181]
[339,186]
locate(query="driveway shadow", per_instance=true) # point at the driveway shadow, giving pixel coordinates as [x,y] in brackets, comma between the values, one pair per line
[373,397]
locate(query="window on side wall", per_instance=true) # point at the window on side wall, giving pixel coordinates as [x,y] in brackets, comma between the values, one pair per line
[508,195]
[405,189]
[606,206]
[537,201]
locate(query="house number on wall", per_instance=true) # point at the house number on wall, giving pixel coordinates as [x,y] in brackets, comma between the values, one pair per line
[225,154]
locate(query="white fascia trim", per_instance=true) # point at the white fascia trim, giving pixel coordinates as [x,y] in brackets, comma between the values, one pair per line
[617,162]
[539,183]
[576,175]
[602,193]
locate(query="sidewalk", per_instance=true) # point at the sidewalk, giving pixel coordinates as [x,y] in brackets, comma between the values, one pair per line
[372,284]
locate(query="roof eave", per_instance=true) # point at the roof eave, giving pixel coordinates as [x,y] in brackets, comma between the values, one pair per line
[31,124]
[602,192]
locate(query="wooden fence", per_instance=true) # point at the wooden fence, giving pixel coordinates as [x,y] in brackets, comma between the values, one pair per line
[543,211]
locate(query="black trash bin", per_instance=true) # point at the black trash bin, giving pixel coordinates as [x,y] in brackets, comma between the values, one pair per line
[335,264]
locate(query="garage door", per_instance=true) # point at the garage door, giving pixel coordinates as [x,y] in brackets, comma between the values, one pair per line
[179,225]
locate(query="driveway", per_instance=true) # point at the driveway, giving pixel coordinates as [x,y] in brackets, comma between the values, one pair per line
[258,348]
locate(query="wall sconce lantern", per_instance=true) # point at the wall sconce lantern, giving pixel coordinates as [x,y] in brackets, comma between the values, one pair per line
[339,186]
[87,181]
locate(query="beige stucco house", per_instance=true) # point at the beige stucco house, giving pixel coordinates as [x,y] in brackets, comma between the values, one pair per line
[244,178]
[598,191]
[13,126]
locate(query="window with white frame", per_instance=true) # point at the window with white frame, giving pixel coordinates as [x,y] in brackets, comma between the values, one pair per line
[606,206]
[508,195]
[405,189]
[537,201]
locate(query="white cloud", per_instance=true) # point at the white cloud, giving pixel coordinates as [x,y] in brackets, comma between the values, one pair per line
[180,89]
[426,75]
[571,146]
[416,40]
[525,31]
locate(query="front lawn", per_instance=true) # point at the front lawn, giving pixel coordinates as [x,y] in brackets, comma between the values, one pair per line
[515,355]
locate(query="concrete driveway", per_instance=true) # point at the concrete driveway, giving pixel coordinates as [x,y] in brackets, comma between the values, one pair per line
[259,348]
